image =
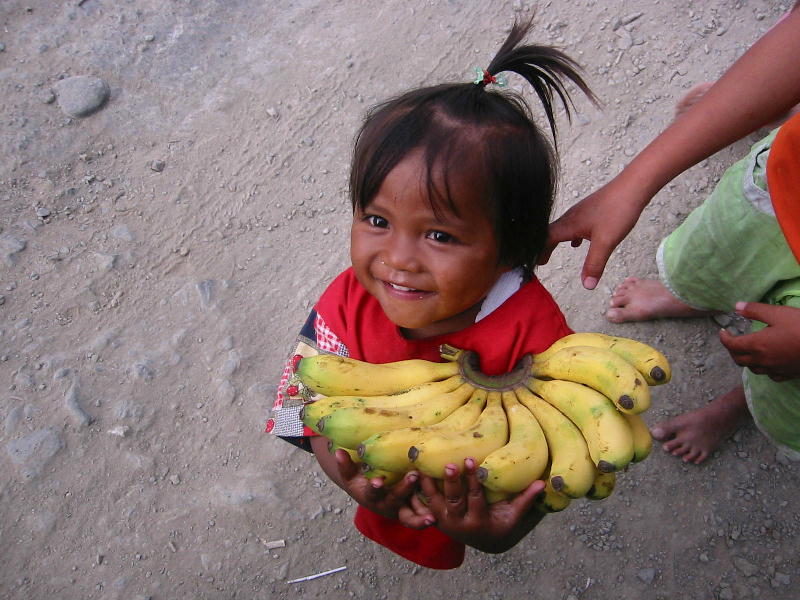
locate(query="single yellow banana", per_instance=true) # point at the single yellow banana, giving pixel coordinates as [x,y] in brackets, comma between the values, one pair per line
[642,438]
[647,360]
[550,501]
[389,449]
[603,486]
[571,471]
[439,448]
[333,375]
[493,496]
[600,369]
[351,425]
[389,477]
[608,435]
[314,411]
[523,459]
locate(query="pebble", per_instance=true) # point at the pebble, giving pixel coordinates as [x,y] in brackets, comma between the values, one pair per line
[33,451]
[10,247]
[73,401]
[646,575]
[747,568]
[120,431]
[81,95]
[157,165]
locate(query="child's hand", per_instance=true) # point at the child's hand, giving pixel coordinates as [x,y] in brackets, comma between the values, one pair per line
[462,513]
[773,351]
[398,501]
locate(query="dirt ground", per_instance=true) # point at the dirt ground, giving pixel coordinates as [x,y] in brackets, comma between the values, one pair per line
[158,256]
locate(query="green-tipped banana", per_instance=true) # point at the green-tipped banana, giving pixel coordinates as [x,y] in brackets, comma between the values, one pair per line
[333,375]
[351,425]
[571,471]
[550,501]
[523,459]
[653,365]
[607,433]
[389,449]
[603,486]
[600,369]
[332,448]
[314,411]
[489,433]
[642,438]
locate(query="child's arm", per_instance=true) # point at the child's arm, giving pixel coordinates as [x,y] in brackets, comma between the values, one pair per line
[760,87]
[774,350]
[393,501]
[462,513]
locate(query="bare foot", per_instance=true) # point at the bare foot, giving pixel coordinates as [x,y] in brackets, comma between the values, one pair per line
[695,435]
[644,299]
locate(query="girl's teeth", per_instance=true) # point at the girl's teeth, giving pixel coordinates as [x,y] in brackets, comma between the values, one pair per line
[401,288]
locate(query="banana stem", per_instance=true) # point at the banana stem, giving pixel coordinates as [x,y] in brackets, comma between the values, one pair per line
[469,369]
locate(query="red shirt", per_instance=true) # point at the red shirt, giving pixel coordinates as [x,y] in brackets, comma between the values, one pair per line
[527,322]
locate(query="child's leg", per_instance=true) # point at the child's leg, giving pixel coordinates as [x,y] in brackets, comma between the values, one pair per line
[695,435]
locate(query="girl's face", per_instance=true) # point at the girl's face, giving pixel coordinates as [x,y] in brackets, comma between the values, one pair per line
[429,273]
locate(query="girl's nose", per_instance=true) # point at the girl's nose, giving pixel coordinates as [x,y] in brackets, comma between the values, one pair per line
[401,255]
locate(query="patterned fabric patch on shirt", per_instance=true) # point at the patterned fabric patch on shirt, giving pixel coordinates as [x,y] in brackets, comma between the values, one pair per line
[315,337]
[327,341]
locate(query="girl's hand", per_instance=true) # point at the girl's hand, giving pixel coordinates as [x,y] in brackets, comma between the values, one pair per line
[395,502]
[461,511]
[774,350]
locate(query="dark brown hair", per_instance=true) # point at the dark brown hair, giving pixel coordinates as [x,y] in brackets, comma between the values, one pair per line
[469,128]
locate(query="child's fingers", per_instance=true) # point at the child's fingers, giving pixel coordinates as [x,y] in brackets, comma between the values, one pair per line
[454,500]
[766,313]
[524,500]
[414,520]
[347,467]
[476,498]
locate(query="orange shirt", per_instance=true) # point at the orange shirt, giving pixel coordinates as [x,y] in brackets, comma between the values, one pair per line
[783,180]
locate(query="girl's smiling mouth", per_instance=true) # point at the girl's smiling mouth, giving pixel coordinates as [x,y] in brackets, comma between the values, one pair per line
[405,291]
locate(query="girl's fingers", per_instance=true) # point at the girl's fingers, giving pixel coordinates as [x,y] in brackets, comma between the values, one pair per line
[454,500]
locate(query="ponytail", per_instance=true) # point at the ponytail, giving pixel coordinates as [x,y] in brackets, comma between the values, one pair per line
[543,67]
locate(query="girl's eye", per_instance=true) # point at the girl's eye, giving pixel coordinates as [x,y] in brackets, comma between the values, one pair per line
[441,237]
[377,221]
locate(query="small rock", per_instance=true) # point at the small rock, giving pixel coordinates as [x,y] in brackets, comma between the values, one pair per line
[157,165]
[42,212]
[149,37]
[120,431]
[48,97]
[646,575]
[82,95]
[747,568]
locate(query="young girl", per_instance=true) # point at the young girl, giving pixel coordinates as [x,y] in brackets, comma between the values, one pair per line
[452,187]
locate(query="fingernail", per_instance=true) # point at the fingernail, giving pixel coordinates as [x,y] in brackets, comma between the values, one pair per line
[469,462]
[741,305]
[450,470]
[429,521]
[590,283]
[412,477]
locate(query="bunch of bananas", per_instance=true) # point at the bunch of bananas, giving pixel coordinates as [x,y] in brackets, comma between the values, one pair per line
[569,415]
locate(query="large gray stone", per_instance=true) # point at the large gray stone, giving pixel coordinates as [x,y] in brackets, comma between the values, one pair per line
[81,95]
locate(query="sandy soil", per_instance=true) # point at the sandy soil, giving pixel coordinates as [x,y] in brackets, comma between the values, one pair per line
[159,256]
